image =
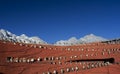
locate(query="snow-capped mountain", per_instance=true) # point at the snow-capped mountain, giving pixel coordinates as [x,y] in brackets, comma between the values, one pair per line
[86,39]
[6,35]
[91,38]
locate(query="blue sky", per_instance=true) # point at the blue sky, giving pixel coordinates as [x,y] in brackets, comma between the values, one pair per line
[53,20]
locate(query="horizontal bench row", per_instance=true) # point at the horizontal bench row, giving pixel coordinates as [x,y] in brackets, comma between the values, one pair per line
[76,68]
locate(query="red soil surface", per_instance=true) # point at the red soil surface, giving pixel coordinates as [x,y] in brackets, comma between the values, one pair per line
[96,58]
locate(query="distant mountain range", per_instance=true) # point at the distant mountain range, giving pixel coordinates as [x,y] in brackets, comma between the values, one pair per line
[86,39]
[6,35]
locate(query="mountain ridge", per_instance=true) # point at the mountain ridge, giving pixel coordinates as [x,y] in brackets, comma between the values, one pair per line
[86,39]
[4,34]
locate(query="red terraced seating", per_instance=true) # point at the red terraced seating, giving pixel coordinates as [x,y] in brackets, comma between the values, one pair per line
[93,58]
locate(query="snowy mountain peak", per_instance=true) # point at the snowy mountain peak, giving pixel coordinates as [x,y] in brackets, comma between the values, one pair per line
[23,36]
[6,35]
[91,38]
[86,39]
[72,39]
[90,35]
